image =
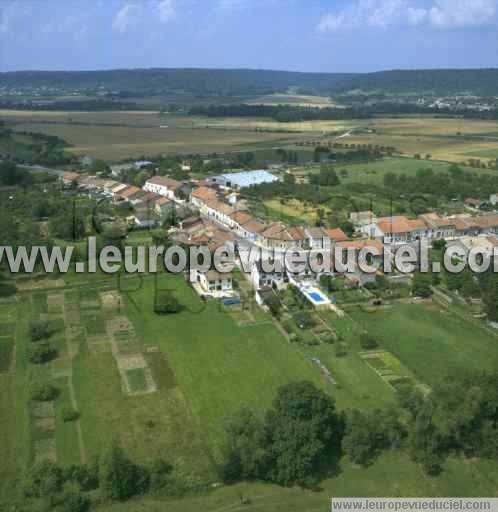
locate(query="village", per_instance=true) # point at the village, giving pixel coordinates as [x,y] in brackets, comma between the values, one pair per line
[210,212]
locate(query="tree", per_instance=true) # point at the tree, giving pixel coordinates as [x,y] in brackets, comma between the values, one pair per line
[45,392]
[74,502]
[245,455]
[360,442]
[43,480]
[347,227]
[273,303]
[119,477]
[421,284]
[166,304]
[304,319]
[410,398]
[39,329]
[303,431]
[368,342]
[160,475]
[368,433]
[11,174]
[68,226]
[42,352]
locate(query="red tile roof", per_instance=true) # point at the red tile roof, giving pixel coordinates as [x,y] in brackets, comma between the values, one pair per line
[337,235]
[164,181]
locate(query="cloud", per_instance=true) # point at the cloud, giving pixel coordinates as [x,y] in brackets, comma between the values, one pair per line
[166,9]
[385,13]
[416,16]
[462,13]
[131,15]
[10,13]
[125,18]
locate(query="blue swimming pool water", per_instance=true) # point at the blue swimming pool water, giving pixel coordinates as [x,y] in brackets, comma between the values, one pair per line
[316,297]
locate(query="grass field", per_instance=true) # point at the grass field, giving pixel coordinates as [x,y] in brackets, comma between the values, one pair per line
[206,363]
[292,99]
[432,341]
[116,135]
[392,475]
[119,135]
[453,140]
[345,198]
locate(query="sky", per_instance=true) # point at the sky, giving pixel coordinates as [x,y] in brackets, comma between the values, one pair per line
[297,35]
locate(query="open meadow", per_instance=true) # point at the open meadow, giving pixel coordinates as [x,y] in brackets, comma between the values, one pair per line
[121,135]
[453,140]
[128,134]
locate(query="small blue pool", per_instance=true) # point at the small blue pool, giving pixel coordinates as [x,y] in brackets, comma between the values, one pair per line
[316,297]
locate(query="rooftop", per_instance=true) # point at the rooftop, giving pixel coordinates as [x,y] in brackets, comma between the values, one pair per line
[164,181]
[248,178]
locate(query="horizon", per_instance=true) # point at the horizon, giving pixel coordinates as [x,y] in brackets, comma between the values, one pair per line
[319,36]
[273,70]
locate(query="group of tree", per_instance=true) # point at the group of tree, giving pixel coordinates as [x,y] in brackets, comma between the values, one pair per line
[114,475]
[449,184]
[303,435]
[41,349]
[296,441]
[13,175]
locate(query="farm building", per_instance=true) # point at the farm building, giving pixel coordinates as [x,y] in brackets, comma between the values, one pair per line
[244,179]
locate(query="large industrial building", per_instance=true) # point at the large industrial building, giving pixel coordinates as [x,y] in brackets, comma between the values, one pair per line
[244,179]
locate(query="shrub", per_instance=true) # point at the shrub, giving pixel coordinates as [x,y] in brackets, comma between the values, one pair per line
[295,338]
[44,393]
[328,337]
[74,502]
[70,414]
[367,342]
[160,475]
[341,349]
[42,353]
[43,480]
[39,330]
[86,476]
[304,320]
[166,305]
[287,325]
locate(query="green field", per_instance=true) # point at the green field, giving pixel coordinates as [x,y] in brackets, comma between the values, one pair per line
[206,362]
[431,340]
[120,135]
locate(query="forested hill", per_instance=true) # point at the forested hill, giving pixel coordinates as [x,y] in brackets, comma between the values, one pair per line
[236,82]
[441,81]
[198,81]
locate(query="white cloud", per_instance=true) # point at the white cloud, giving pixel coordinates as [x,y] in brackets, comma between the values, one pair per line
[416,16]
[331,22]
[126,18]
[462,13]
[166,9]
[131,15]
[385,13]
[11,13]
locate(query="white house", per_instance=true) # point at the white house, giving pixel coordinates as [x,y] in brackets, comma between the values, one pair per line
[262,279]
[163,186]
[143,219]
[318,238]
[213,283]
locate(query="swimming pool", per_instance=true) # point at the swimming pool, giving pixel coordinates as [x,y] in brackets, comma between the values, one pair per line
[315,296]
